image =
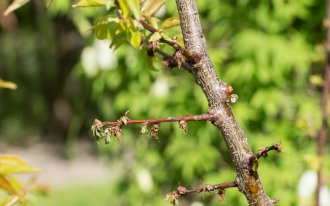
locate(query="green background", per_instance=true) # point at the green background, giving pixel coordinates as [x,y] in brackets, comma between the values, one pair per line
[271,52]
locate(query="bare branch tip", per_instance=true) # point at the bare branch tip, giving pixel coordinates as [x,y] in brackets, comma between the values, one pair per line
[263,152]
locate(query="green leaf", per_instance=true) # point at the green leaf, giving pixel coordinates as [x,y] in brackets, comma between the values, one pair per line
[110,4]
[166,37]
[10,164]
[153,21]
[152,6]
[15,5]
[179,39]
[155,36]
[134,36]
[135,39]
[90,3]
[118,40]
[106,28]
[170,22]
[124,7]
[134,7]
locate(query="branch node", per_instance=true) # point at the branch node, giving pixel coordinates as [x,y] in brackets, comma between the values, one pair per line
[183,125]
[263,152]
[154,131]
[181,190]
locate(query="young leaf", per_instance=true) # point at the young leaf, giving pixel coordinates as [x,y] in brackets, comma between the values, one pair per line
[8,85]
[153,22]
[134,36]
[110,4]
[10,164]
[178,38]
[134,7]
[152,6]
[170,22]
[15,5]
[124,7]
[105,28]
[90,3]
[135,40]
[155,36]
[118,40]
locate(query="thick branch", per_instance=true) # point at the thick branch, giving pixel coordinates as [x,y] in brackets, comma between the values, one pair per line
[217,94]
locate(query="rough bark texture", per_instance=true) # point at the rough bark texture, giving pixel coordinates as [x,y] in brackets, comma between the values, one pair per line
[218,94]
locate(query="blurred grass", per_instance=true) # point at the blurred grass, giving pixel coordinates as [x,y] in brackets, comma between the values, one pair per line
[76,195]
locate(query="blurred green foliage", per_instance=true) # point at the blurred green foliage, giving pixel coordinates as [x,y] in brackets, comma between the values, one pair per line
[271,52]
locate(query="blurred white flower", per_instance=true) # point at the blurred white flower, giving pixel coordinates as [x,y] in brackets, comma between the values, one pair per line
[144,180]
[98,57]
[306,190]
[160,88]
[307,185]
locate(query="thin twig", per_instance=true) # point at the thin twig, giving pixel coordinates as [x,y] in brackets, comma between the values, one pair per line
[173,44]
[181,191]
[185,65]
[263,152]
[201,117]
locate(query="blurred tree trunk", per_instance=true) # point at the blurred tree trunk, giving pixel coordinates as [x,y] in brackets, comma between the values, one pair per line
[322,138]
[59,46]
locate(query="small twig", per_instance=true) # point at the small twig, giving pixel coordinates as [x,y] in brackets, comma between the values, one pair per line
[185,65]
[173,44]
[263,152]
[105,130]
[181,191]
[201,117]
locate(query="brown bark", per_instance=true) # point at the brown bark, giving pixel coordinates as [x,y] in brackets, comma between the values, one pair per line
[218,94]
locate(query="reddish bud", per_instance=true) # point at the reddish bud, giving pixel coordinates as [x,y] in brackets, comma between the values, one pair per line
[181,190]
[230,89]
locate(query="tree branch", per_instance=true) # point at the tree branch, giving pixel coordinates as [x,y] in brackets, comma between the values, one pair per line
[263,152]
[108,129]
[173,44]
[173,62]
[125,120]
[217,94]
[181,191]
